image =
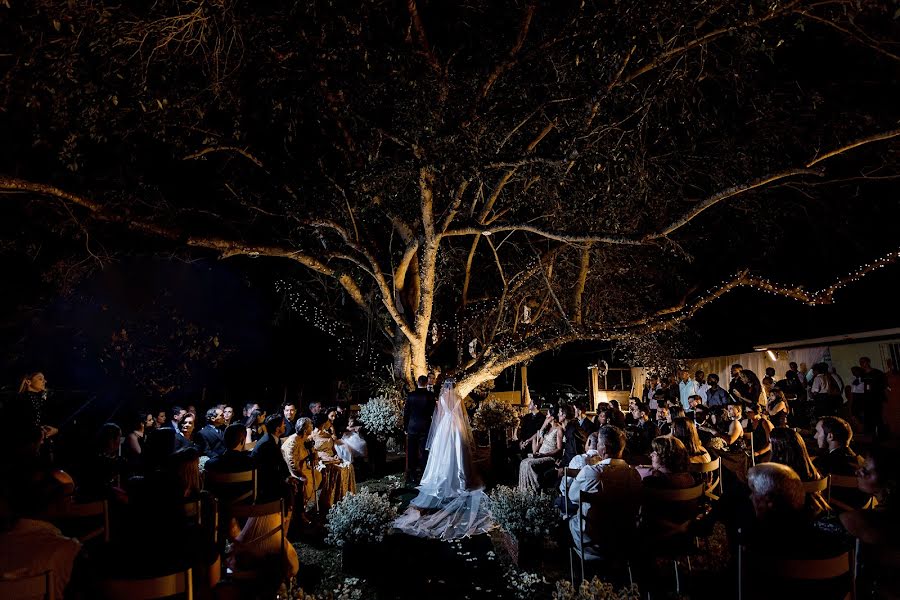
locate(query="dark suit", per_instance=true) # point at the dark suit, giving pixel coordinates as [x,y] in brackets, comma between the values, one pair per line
[574,438]
[617,417]
[842,461]
[272,470]
[417,414]
[196,441]
[529,425]
[213,439]
[587,425]
[290,427]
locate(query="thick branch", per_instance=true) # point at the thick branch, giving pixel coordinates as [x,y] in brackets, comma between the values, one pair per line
[581,283]
[520,41]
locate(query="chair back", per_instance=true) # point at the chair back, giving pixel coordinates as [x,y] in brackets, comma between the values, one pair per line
[569,475]
[816,485]
[242,511]
[217,482]
[36,586]
[664,496]
[713,481]
[804,569]
[149,589]
[80,510]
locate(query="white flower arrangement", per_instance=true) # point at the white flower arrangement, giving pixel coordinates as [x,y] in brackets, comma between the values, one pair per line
[494,414]
[382,416]
[523,514]
[523,584]
[362,517]
[594,590]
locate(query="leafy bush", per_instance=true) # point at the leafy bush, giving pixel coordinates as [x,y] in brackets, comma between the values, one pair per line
[362,517]
[382,416]
[523,514]
[594,590]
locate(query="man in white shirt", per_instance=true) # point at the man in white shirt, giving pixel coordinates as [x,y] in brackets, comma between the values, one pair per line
[581,460]
[613,473]
[687,387]
[701,385]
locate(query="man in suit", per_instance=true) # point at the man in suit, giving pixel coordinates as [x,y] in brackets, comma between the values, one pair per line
[574,437]
[289,411]
[616,415]
[274,477]
[529,424]
[211,433]
[233,460]
[583,420]
[833,435]
[417,414]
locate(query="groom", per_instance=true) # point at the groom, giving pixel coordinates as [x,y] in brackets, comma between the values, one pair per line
[417,415]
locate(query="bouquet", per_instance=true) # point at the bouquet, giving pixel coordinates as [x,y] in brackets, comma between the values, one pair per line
[362,517]
[382,416]
[494,414]
[523,514]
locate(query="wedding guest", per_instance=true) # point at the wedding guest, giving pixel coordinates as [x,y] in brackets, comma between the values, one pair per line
[618,417]
[642,432]
[759,427]
[684,430]
[833,435]
[529,424]
[227,415]
[874,396]
[701,384]
[133,444]
[339,477]
[175,413]
[352,438]
[298,451]
[213,439]
[789,449]
[687,387]
[777,408]
[669,465]
[663,420]
[185,436]
[728,428]
[274,478]
[716,397]
[583,420]
[255,425]
[546,446]
[574,436]
[289,411]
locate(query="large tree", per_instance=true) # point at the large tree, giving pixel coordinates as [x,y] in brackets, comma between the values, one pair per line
[496,179]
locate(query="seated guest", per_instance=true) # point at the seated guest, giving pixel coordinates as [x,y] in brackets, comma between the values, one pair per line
[603,418]
[133,444]
[583,420]
[546,446]
[728,428]
[684,430]
[616,414]
[789,449]
[878,529]
[273,476]
[669,464]
[338,476]
[32,546]
[777,408]
[620,483]
[783,529]
[642,431]
[301,460]
[663,521]
[233,460]
[103,471]
[758,425]
[663,421]
[185,436]
[574,437]
[578,462]
[833,435]
[256,425]
[213,440]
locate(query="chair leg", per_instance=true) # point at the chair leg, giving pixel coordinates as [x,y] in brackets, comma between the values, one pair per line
[690,570]
[571,568]
[630,575]
[677,580]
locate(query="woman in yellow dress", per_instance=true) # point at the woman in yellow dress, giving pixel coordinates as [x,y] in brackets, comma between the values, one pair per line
[298,453]
[338,477]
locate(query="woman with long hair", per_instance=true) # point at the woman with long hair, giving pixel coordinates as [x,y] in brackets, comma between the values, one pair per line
[684,430]
[30,409]
[789,449]
[256,425]
[546,446]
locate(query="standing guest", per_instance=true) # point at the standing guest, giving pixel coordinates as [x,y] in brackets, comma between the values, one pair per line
[855,393]
[213,437]
[642,431]
[417,414]
[227,415]
[728,428]
[529,424]
[752,388]
[353,439]
[716,397]
[874,395]
[650,388]
[289,412]
[825,391]
[30,408]
[701,384]
[687,387]
[737,387]
[272,472]
[778,408]
[759,428]
[339,477]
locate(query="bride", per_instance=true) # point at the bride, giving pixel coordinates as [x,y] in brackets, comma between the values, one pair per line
[451,503]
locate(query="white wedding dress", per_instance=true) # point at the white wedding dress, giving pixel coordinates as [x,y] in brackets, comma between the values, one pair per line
[451,503]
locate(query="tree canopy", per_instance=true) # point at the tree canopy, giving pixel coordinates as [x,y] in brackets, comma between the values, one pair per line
[481,180]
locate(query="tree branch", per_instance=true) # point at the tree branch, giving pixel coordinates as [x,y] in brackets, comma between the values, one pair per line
[582,282]
[511,59]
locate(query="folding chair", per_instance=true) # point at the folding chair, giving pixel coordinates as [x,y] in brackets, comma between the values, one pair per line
[149,589]
[36,586]
[846,482]
[818,569]
[665,498]
[624,502]
[569,473]
[703,469]
[816,485]
[217,482]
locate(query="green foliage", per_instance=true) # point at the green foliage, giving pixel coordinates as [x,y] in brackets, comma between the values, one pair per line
[494,414]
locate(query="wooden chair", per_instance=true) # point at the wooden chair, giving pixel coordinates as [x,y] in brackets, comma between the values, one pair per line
[816,485]
[213,480]
[847,482]
[149,589]
[569,473]
[748,437]
[81,510]
[820,569]
[703,469]
[36,586]
[676,530]
[244,511]
[625,505]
